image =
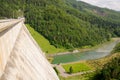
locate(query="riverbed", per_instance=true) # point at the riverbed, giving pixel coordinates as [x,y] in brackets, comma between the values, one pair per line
[100,52]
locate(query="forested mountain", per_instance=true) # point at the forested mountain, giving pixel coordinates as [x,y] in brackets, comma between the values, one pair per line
[65,23]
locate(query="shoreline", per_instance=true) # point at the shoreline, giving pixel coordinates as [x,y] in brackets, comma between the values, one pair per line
[80,50]
[69,52]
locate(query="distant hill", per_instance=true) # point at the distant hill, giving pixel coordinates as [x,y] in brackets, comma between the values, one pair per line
[65,23]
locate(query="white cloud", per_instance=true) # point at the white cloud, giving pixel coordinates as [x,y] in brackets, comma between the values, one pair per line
[111,4]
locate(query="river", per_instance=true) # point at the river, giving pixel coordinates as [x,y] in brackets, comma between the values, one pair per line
[100,52]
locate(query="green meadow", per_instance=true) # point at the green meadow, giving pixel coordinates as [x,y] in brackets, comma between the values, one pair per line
[77,67]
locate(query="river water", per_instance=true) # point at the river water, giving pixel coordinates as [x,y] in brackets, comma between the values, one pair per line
[100,52]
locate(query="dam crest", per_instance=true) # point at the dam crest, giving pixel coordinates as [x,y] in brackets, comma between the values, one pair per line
[20,56]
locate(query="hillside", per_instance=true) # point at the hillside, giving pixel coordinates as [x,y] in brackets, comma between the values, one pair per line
[116,49]
[65,23]
[110,70]
[43,42]
[108,66]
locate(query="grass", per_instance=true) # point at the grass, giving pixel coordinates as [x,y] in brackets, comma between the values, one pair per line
[43,42]
[94,63]
[77,67]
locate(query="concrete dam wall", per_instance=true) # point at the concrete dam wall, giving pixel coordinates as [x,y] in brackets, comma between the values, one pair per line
[20,56]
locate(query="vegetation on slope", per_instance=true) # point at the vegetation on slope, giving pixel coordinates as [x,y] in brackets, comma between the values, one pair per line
[116,49]
[110,71]
[110,66]
[65,23]
[43,42]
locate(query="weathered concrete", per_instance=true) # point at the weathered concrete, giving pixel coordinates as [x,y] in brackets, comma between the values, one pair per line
[20,56]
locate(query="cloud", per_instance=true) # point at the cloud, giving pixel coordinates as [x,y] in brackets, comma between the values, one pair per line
[111,4]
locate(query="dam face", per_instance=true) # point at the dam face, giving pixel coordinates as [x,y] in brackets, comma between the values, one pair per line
[20,56]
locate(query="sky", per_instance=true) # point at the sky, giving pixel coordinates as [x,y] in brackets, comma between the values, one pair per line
[111,4]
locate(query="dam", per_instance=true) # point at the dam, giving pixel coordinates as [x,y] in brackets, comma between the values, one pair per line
[20,56]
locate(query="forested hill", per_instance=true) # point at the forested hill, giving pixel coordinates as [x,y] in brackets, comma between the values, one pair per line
[65,23]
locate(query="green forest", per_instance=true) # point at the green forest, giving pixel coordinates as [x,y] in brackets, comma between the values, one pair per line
[65,23]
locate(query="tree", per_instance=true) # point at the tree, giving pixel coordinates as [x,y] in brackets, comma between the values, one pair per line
[70,70]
